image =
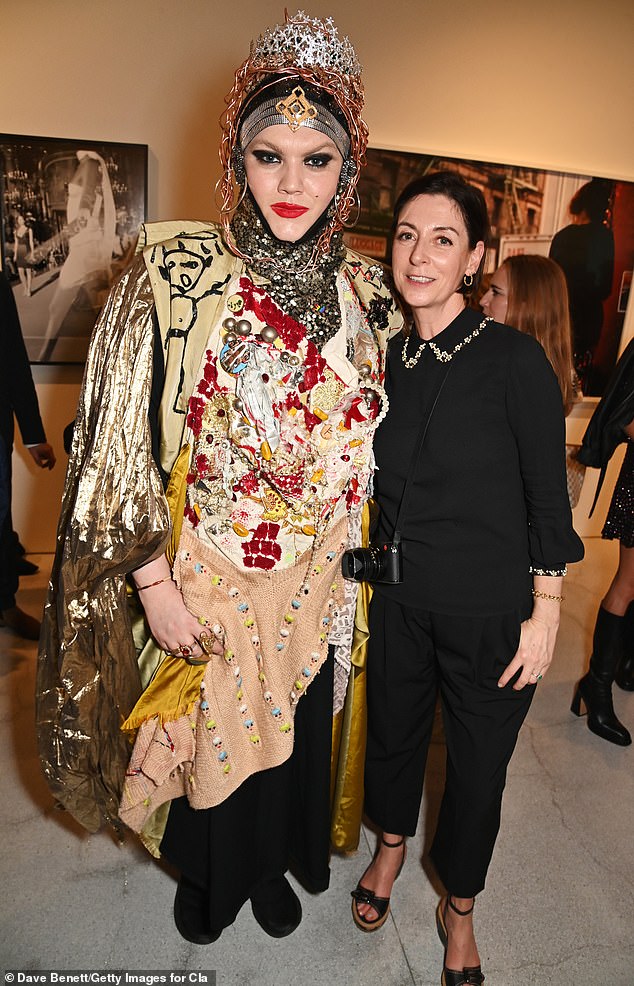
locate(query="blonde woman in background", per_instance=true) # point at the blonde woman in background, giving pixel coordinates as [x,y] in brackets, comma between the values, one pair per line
[529,292]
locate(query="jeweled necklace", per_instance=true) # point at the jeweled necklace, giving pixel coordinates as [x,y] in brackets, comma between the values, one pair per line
[440,354]
[312,298]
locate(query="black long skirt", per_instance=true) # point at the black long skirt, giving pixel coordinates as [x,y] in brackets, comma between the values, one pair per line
[276,820]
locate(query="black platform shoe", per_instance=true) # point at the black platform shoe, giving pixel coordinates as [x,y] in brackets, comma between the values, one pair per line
[361,895]
[276,908]
[191,913]
[26,567]
[595,688]
[20,622]
[470,975]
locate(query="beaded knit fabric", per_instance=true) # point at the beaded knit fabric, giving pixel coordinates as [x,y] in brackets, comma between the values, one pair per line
[619,522]
[276,626]
[311,297]
[279,429]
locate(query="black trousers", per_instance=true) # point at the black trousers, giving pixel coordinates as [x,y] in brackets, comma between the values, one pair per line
[413,654]
[5,497]
[9,556]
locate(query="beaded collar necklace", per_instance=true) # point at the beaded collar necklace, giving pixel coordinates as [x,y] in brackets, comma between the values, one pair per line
[441,355]
[311,298]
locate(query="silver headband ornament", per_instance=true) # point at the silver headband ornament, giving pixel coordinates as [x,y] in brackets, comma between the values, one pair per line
[296,111]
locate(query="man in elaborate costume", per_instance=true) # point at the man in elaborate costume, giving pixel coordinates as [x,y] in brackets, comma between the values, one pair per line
[240,366]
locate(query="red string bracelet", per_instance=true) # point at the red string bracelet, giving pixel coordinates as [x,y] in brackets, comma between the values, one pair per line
[151,585]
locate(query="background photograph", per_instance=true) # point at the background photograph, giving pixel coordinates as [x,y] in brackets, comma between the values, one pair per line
[71,211]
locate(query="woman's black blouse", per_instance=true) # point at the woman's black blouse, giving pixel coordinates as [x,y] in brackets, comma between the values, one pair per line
[488,498]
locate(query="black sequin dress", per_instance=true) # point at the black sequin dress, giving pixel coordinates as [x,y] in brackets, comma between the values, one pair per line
[619,522]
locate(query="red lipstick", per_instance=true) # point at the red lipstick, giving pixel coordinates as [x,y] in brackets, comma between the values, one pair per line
[288,211]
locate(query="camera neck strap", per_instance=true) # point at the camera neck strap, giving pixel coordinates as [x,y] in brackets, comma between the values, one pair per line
[414,460]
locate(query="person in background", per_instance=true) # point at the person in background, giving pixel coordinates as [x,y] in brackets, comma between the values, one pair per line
[242,363]
[22,247]
[585,252]
[613,639]
[529,292]
[486,535]
[17,398]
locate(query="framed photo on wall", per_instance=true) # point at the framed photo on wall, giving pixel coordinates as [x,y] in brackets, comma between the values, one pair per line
[531,211]
[70,215]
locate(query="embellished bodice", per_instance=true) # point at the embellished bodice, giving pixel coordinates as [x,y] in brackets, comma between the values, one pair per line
[280,432]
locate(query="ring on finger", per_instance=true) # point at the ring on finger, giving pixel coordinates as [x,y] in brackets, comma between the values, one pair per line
[206,641]
[185,650]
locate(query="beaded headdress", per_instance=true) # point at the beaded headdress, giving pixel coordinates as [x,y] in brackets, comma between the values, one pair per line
[310,50]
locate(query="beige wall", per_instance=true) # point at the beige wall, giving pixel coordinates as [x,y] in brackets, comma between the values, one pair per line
[545,84]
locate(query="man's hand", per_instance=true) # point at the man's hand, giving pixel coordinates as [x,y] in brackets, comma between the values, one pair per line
[43,455]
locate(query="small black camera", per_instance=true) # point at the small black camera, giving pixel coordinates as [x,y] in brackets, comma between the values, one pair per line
[378,563]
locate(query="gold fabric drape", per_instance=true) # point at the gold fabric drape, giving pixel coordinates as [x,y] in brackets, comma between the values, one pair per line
[114,518]
[350,729]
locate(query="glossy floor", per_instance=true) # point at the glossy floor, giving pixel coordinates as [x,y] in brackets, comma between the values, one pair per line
[558,909]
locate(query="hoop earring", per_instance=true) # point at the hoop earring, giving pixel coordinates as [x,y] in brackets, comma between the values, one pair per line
[228,210]
[348,223]
[468,283]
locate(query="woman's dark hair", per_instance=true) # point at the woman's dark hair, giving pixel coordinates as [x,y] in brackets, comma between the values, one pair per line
[469,201]
[593,198]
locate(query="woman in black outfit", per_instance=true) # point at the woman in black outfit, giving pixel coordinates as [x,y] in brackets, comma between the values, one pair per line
[612,656]
[486,536]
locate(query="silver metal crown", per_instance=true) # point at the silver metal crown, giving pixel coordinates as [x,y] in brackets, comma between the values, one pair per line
[308,43]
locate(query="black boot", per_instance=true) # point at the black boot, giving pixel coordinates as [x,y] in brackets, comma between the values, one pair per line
[595,689]
[624,676]
[276,907]
[191,913]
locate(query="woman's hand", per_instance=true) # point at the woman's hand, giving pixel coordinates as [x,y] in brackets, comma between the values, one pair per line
[538,634]
[535,652]
[173,627]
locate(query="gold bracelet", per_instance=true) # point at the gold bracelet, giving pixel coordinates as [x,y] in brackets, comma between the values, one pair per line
[547,595]
[151,585]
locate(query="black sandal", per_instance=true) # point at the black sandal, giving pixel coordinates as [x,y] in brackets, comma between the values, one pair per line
[380,904]
[470,975]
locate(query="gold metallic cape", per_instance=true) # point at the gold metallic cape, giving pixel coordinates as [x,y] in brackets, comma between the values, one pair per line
[114,518]
[94,658]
